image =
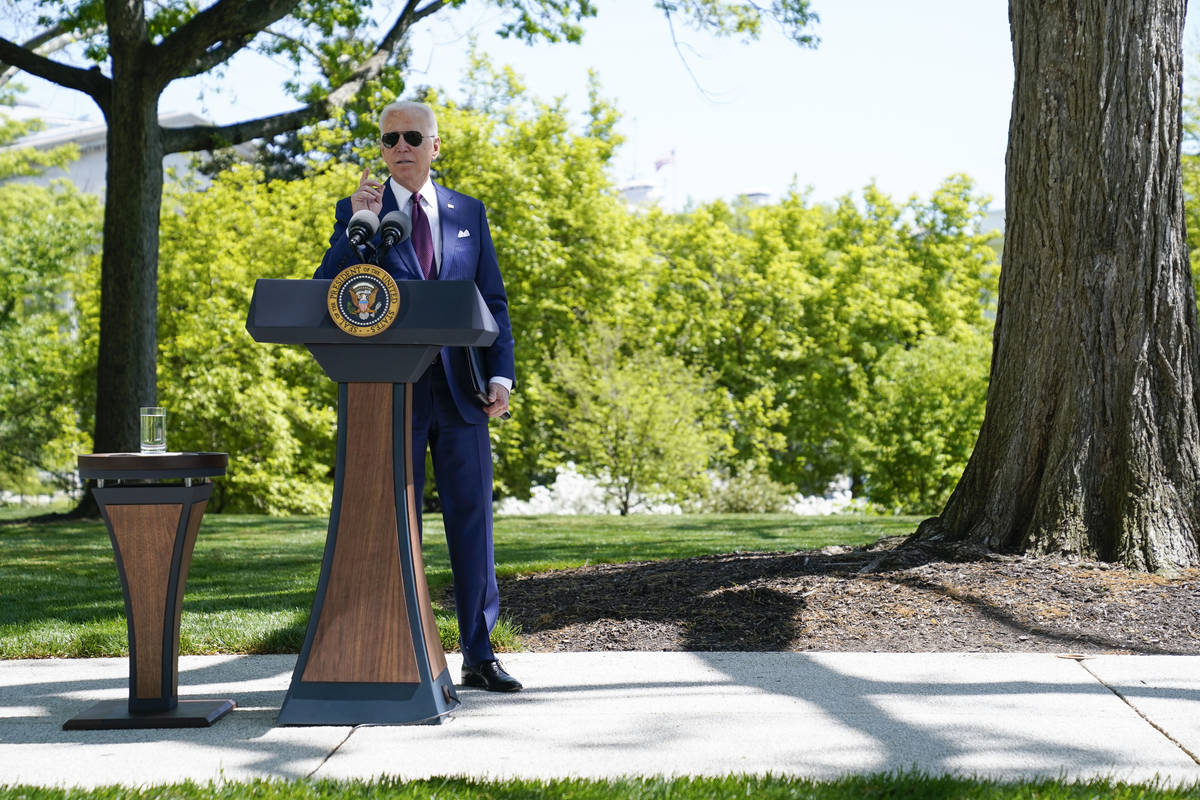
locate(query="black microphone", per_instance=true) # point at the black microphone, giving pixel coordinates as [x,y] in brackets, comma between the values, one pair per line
[396,227]
[363,225]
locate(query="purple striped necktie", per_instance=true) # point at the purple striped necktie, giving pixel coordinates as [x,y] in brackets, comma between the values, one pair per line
[422,238]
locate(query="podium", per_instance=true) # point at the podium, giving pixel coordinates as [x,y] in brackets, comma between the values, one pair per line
[372,653]
[152,505]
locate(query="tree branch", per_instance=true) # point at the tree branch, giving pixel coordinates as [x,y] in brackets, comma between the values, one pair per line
[430,8]
[48,41]
[54,31]
[216,55]
[89,81]
[213,137]
[300,43]
[709,96]
[373,65]
[406,12]
[215,34]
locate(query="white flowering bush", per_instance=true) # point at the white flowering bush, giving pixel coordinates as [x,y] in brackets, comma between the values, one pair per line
[575,493]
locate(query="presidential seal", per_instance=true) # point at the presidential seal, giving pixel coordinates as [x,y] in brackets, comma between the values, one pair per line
[363,300]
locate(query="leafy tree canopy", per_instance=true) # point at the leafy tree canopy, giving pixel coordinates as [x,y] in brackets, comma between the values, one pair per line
[637,418]
[18,162]
[50,237]
[793,305]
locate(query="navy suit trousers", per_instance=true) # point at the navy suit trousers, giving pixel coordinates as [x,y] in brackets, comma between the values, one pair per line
[462,468]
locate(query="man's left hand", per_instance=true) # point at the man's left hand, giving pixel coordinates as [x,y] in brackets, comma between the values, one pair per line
[497,400]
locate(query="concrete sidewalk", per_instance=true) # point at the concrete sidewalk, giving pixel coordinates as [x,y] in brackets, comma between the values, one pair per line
[607,714]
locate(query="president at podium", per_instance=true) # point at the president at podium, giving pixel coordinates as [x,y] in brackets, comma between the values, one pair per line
[449,240]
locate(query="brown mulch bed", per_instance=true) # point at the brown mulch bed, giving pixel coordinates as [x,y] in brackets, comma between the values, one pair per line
[875,598]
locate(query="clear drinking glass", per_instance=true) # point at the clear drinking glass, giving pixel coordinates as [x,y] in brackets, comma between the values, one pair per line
[154,429]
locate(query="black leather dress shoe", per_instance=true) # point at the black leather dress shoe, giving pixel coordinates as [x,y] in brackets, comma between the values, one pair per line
[489,675]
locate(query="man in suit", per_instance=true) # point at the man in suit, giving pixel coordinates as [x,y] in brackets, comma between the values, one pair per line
[450,241]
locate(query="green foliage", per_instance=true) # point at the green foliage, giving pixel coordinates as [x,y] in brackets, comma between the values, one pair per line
[48,241]
[792,307]
[1191,213]
[749,490]
[745,20]
[551,21]
[896,275]
[637,419]
[925,409]
[50,238]
[25,161]
[269,406]
[729,289]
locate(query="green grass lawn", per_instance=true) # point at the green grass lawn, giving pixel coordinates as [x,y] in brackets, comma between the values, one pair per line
[873,787]
[14,511]
[252,579]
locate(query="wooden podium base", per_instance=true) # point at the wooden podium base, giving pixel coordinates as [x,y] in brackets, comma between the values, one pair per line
[115,715]
[331,703]
[372,653]
[153,511]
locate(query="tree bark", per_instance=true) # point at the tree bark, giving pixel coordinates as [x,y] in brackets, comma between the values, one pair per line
[1090,444]
[125,377]
[125,370]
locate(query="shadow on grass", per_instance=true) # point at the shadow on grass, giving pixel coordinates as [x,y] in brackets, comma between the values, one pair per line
[286,639]
[542,540]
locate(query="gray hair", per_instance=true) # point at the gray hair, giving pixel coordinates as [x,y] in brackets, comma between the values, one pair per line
[411,105]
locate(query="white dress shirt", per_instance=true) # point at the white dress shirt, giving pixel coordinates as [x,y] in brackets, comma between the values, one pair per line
[430,207]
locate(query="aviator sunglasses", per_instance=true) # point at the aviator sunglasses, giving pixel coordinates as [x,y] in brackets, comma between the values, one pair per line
[411,138]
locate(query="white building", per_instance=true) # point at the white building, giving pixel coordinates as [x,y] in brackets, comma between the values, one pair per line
[756,197]
[88,172]
[640,193]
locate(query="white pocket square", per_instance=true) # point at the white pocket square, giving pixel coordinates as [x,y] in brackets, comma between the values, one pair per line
[463,234]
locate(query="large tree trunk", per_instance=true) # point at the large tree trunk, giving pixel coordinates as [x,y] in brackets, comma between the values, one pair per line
[1091,442]
[125,377]
[128,347]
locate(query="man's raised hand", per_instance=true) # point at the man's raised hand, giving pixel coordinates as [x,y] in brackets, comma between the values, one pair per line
[369,194]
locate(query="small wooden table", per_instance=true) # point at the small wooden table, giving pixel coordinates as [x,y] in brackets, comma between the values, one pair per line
[152,504]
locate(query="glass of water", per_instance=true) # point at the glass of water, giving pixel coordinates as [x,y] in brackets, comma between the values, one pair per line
[154,429]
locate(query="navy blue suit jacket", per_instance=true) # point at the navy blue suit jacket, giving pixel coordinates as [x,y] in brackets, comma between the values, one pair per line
[467,254]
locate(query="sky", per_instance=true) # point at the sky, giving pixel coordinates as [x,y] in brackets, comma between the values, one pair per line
[902,94]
